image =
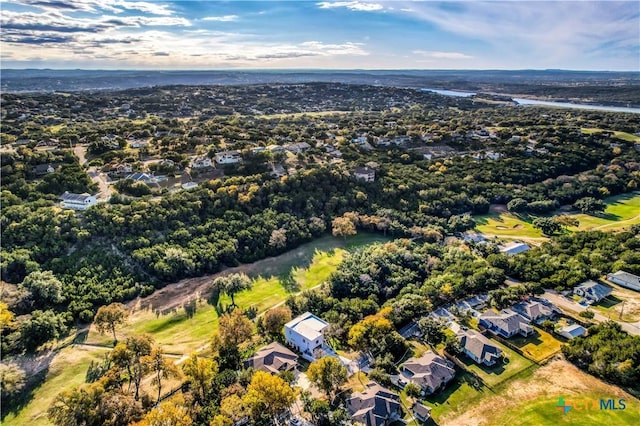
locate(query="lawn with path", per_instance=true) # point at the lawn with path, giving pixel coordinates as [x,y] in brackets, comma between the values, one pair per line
[537,347]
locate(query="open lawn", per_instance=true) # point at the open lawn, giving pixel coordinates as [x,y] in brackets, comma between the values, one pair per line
[531,400]
[507,224]
[628,137]
[622,211]
[68,369]
[461,391]
[537,347]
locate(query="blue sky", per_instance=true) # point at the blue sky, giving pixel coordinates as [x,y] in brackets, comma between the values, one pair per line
[130,34]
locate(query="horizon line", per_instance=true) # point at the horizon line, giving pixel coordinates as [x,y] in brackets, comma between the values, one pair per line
[323,69]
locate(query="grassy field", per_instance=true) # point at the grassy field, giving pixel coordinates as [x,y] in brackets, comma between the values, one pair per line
[622,301]
[68,369]
[622,211]
[628,137]
[463,390]
[531,400]
[537,347]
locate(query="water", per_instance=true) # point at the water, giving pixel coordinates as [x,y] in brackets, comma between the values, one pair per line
[532,102]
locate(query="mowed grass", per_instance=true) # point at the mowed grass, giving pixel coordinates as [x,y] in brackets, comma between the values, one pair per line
[622,211]
[67,370]
[531,399]
[628,137]
[537,347]
[496,374]
[543,411]
[463,390]
[507,224]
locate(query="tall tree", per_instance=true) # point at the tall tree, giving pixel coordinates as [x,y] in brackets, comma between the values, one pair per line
[172,412]
[109,317]
[268,395]
[274,319]
[232,284]
[235,328]
[200,372]
[328,374]
[132,357]
[343,227]
[162,368]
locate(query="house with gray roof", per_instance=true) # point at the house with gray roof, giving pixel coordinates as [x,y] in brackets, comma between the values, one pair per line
[535,311]
[375,406]
[479,348]
[77,201]
[513,248]
[273,358]
[506,323]
[421,411]
[430,372]
[625,279]
[592,291]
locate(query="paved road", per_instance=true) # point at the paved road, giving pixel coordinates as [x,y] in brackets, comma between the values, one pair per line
[564,303]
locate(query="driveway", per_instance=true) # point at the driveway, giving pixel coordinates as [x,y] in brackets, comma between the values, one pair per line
[564,303]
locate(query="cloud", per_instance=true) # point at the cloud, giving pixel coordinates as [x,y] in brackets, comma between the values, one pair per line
[161,54]
[225,18]
[95,6]
[351,5]
[442,55]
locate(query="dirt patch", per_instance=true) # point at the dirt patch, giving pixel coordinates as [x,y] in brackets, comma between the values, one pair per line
[558,377]
[501,227]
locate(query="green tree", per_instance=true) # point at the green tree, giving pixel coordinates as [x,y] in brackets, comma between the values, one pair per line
[44,287]
[328,374]
[235,328]
[589,205]
[432,329]
[42,327]
[109,317]
[162,368]
[232,284]
[275,319]
[547,225]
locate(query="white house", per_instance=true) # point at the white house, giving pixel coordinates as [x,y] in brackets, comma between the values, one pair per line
[592,291]
[306,334]
[201,163]
[364,173]
[77,201]
[228,157]
[572,331]
[625,279]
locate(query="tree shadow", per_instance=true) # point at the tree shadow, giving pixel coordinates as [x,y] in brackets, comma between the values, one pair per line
[609,301]
[520,341]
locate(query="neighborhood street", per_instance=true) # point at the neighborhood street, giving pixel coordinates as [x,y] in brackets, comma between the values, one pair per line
[564,303]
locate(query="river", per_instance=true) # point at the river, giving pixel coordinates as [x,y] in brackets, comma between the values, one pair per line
[532,102]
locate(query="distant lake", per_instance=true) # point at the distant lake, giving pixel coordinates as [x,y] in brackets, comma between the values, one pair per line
[532,102]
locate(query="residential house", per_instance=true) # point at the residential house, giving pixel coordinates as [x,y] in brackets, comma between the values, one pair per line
[275,148]
[273,358]
[201,163]
[143,177]
[625,279]
[228,157]
[506,323]
[77,201]
[44,169]
[306,334]
[572,331]
[479,348]
[375,406]
[421,411]
[277,170]
[297,148]
[121,169]
[430,372]
[138,143]
[513,248]
[365,174]
[535,311]
[592,291]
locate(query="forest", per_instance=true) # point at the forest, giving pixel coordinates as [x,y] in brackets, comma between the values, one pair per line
[133,245]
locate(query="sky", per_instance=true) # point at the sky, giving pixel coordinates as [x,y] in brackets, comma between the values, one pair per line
[367,34]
